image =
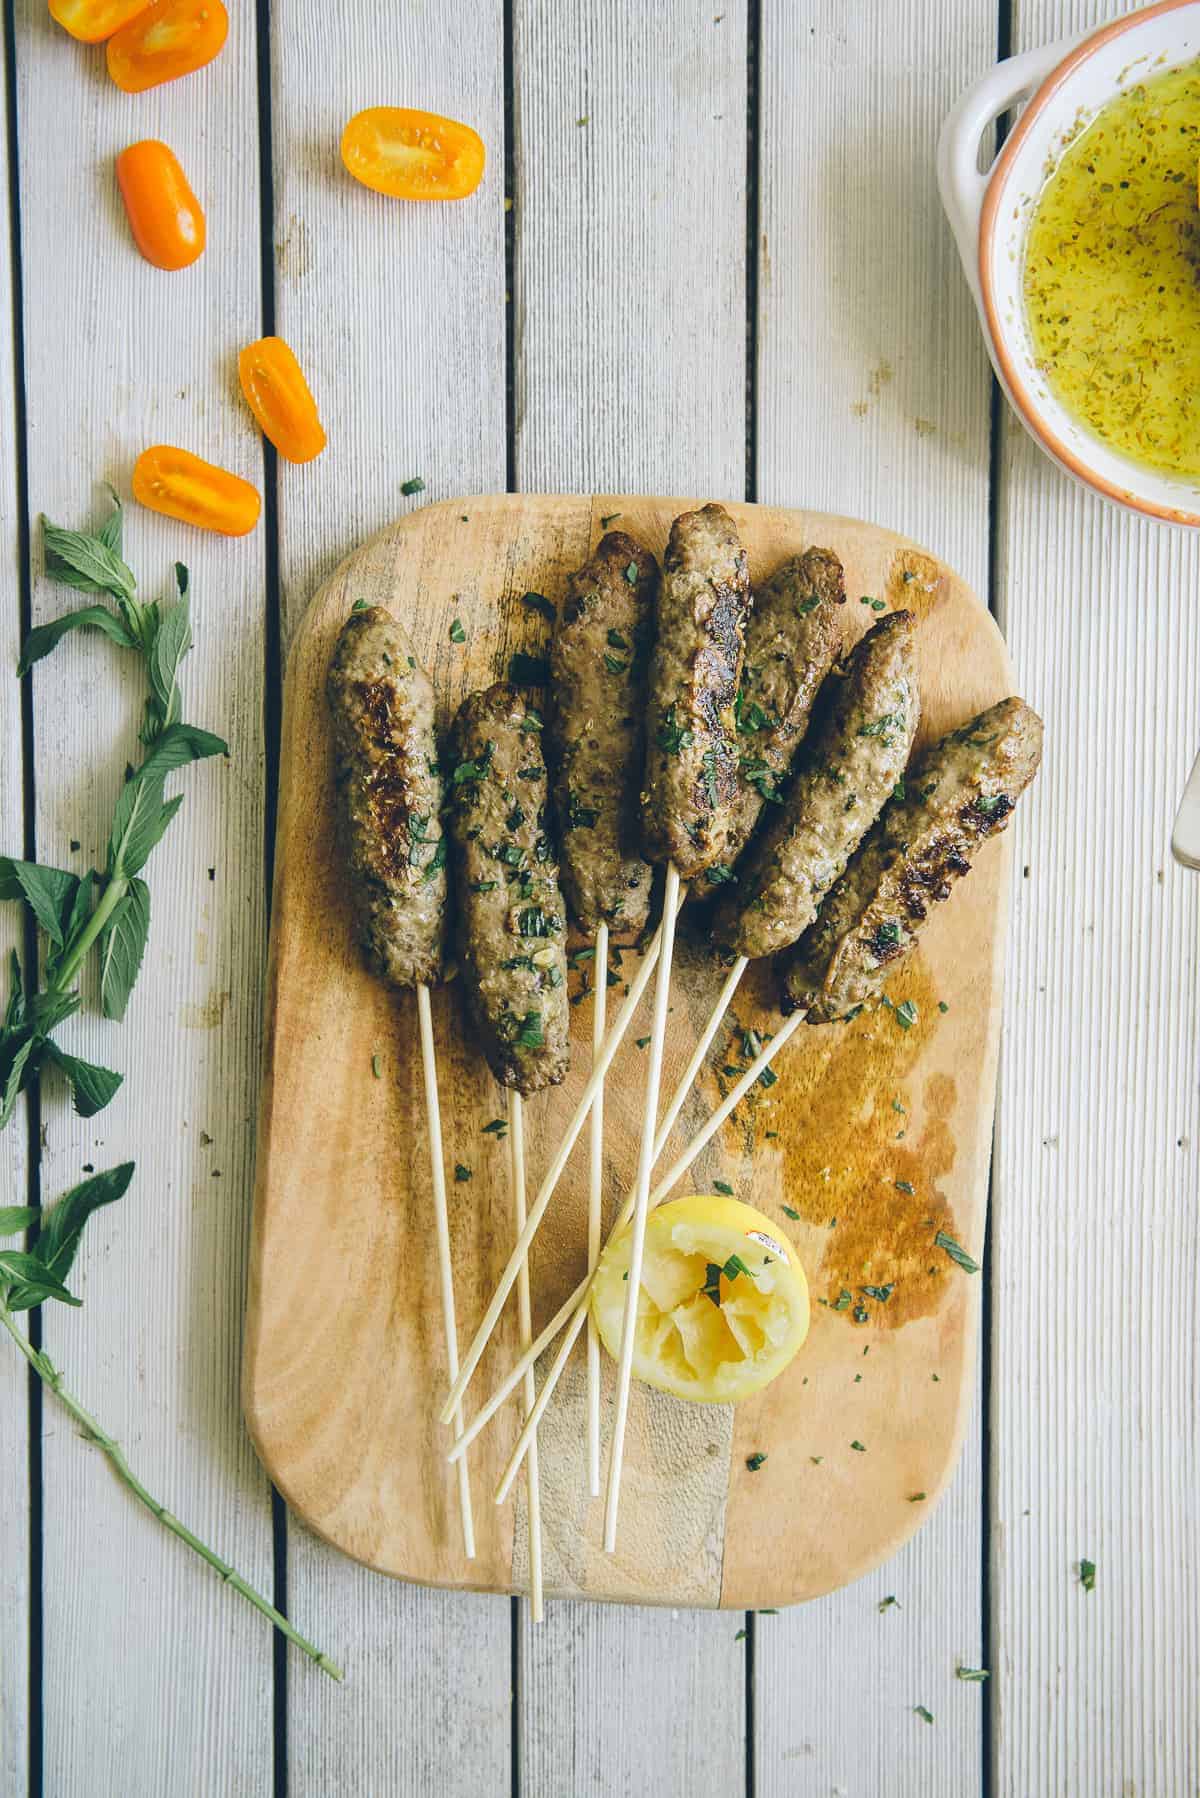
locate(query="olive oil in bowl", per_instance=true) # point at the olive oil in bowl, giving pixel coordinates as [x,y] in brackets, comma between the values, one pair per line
[1112,274]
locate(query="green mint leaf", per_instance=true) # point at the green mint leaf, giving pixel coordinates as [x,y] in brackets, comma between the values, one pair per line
[172,640]
[122,945]
[44,1011]
[48,892]
[28,1293]
[45,637]
[92,1087]
[26,1269]
[85,563]
[139,820]
[956,1252]
[64,1225]
[178,745]
[17,1065]
[110,531]
[15,1218]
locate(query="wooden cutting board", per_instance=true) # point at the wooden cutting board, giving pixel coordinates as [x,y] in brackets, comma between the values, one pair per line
[877,1136]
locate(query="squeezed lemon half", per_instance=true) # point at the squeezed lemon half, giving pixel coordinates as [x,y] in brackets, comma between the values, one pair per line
[723,1304]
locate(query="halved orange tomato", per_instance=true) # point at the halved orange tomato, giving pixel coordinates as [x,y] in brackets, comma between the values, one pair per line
[91,21]
[413,155]
[164,214]
[167,39]
[279,397]
[183,486]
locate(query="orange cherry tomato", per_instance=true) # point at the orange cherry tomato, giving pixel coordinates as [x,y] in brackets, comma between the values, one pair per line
[164,214]
[91,21]
[278,395]
[184,487]
[413,155]
[167,39]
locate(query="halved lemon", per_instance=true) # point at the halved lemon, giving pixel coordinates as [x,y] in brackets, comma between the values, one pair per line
[723,1305]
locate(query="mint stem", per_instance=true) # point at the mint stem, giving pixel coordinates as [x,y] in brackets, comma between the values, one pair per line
[50,1376]
[71,963]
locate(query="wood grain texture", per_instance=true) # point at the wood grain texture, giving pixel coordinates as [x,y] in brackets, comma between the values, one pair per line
[397,314]
[343,1247]
[630,247]
[1096,1228]
[148,1657]
[872,396]
[14,1172]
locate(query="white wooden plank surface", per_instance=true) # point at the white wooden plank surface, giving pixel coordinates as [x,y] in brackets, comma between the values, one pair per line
[1096,1228]
[14,1407]
[630,375]
[397,314]
[149,1661]
[873,398]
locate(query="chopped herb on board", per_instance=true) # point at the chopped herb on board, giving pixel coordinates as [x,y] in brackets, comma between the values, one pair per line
[641,1041]
[615,665]
[976,1675]
[607,519]
[920,1711]
[631,573]
[360,605]
[457,633]
[537,602]
[461,1171]
[788,1212]
[915,1498]
[956,1252]
[1087,1575]
[497,1127]
[414,485]
[942,1006]
[882,1293]
[723,1186]
[859,1447]
[712,1283]
[617,641]
[843,1300]
[906,1014]
[885,1604]
[672,737]
[377,1067]
[755,1461]
[904,1186]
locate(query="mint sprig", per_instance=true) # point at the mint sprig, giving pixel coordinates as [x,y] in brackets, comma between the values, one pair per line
[28,1277]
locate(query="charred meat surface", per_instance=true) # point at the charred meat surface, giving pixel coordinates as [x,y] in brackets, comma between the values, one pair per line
[691,735]
[792,641]
[850,767]
[512,924]
[597,734]
[959,792]
[389,790]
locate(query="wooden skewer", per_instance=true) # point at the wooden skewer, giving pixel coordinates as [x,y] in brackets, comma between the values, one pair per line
[595,1195]
[612,1043]
[641,1206]
[516,1152]
[442,1227]
[577,1304]
[724,999]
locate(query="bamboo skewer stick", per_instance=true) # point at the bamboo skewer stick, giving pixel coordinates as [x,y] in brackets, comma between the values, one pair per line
[596,1079]
[724,1000]
[442,1230]
[595,1196]
[577,1304]
[516,1150]
[641,1205]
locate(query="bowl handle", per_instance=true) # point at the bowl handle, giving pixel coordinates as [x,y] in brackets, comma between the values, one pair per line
[961,184]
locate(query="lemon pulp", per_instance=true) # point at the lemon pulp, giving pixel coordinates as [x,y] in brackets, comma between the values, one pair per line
[723,1304]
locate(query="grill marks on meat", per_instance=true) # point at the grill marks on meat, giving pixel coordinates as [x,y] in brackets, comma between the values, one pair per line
[691,739]
[598,712]
[850,766]
[959,793]
[389,790]
[512,923]
[792,641]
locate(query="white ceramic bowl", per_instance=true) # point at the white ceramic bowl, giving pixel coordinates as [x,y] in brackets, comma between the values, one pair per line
[1063,84]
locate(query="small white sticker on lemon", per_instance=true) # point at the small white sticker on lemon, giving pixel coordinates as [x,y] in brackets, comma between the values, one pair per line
[716,1319]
